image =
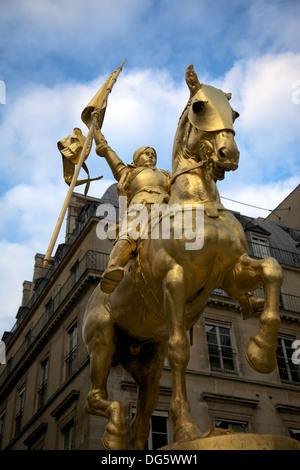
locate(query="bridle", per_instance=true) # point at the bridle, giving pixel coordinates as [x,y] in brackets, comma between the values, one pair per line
[194,166]
[206,151]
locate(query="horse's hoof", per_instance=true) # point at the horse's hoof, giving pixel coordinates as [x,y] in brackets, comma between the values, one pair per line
[261,357]
[187,431]
[214,432]
[93,403]
[115,435]
[114,441]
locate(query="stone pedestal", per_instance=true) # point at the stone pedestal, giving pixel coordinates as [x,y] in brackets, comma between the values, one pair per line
[237,441]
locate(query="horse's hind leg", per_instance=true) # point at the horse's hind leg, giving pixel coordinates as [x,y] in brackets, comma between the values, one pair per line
[146,368]
[247,275]
[100,338]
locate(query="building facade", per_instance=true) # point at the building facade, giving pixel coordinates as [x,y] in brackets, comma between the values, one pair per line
[46,378]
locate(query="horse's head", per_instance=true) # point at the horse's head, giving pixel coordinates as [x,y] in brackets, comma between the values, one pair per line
[208,132]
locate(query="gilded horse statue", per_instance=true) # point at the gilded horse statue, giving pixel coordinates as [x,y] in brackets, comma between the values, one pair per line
[166,287]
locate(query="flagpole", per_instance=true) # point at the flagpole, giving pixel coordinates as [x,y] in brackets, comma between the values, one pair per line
[77,170]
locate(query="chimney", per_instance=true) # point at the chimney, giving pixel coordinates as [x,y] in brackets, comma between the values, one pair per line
[39,271]
[26,293]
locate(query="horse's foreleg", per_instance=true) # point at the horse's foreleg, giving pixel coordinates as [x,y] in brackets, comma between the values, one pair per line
[100,338]
[247,275]
[261,351]
[178,353]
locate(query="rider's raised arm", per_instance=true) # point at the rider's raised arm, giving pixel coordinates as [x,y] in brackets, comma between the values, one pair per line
[104,150]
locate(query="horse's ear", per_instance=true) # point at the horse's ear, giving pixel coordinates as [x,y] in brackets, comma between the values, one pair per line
[192,80]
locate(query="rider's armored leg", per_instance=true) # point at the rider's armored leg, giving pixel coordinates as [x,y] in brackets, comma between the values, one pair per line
[118,259]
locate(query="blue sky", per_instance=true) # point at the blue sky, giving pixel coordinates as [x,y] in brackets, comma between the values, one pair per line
[55,54]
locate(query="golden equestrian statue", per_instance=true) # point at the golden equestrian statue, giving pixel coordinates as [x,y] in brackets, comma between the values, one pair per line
[163,288]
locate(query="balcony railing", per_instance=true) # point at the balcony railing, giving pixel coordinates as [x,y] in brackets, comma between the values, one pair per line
[289,258]
[288,303]
[93,261]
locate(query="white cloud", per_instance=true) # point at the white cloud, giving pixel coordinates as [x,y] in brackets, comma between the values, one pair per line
[17,262]
[267,130]
[29,210]
[144,109]
[274,24]
[264,197]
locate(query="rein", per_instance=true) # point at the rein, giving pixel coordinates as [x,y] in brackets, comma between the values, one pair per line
[196,165]
[186,170]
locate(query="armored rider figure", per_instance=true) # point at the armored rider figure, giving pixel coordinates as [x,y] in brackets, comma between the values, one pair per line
[142,183]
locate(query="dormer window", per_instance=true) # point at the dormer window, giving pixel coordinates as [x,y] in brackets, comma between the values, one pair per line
[260,245]
[258,238]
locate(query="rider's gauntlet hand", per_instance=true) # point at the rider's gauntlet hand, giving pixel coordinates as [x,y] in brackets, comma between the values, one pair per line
[102,147]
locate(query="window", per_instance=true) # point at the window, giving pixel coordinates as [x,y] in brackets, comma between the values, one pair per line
[260,246]
[2,352]
[159,430]
[20,409]
[43,382]
[2,417]
[158,436]
[219,292]
[237,426]
[295,434]
[68,435]
[49,308]
[72,350]
[281,300]
[220,351]
[9,366]
[74,272]
[288,371]
[28,339]
[36,439]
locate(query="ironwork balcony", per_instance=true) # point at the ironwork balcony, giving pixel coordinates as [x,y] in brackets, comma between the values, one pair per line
[289,258]
[288,303]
